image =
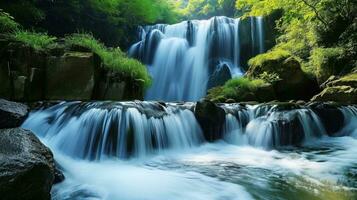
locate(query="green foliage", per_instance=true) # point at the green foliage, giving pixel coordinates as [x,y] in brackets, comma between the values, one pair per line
[202,9]
[113,21]
[112,58]
[242,84]
[38,41]
[275,54]
[7,23]
[269,77]
[326,62]
[316,32]
[241,89]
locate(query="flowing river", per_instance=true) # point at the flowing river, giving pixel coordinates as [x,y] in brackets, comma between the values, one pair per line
[146,150]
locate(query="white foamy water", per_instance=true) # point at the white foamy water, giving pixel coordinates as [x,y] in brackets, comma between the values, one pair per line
[144,150]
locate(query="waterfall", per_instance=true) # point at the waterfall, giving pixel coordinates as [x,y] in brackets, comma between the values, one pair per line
[183,57]
[97,130]
[266,126]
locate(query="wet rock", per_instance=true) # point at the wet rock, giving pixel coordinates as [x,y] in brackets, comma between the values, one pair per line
[341,94]
[12,114]
[211,119]
[219,76]
[59,176]
[26,166]
[331,116]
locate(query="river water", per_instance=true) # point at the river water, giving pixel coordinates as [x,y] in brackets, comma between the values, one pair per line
[320,168]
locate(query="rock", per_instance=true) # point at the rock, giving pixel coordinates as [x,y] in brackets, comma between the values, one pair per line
[332,78]
[26,166]
[6,83]
[219,76]
[293,83]
[71,76]
[12,114]
[230,101]
[211,118]
[112,85]
[347,80]
[341,94]
[59,176]
[19,88]
[331,116]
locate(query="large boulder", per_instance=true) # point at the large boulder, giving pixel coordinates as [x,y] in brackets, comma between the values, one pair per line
[330,115]
[211,119]
[26,166]
[219,76]
[12,114]
[71,76]
[292,82]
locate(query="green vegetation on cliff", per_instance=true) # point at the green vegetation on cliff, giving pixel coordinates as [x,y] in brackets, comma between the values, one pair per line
[112,58]
[38,41]
[313,31]
[317,41]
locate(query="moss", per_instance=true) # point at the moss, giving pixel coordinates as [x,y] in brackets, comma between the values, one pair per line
[7,23]
[38,41]
[242,89]
[276,54]
[112,58]
[325,62]
[350,77]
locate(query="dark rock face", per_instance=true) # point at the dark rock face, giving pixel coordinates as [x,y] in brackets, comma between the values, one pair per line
[31,75]
[26,166]
[219,76]
[12,114]
[290,131]
[111,85]
[331,116]
[69,76]
[211,119]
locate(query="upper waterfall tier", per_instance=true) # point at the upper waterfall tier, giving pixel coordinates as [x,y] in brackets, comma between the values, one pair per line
[99,130]
[187,58]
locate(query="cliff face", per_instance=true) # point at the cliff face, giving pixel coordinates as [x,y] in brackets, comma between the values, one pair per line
[60,74]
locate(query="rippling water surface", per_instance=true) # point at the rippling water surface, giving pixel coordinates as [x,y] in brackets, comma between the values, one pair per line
[324,169]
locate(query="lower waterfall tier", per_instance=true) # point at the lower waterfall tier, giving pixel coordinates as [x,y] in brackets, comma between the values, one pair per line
[98,130]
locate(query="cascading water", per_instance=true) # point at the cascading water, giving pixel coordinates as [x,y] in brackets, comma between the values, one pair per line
[183,58]
[112,150]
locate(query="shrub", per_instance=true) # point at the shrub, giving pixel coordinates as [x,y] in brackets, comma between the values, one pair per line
[112,58]
[7,23]
[38,41]
[326,62]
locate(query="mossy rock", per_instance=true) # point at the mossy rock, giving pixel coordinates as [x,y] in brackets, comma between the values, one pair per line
[349,80]
[292,82]
[341,94]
